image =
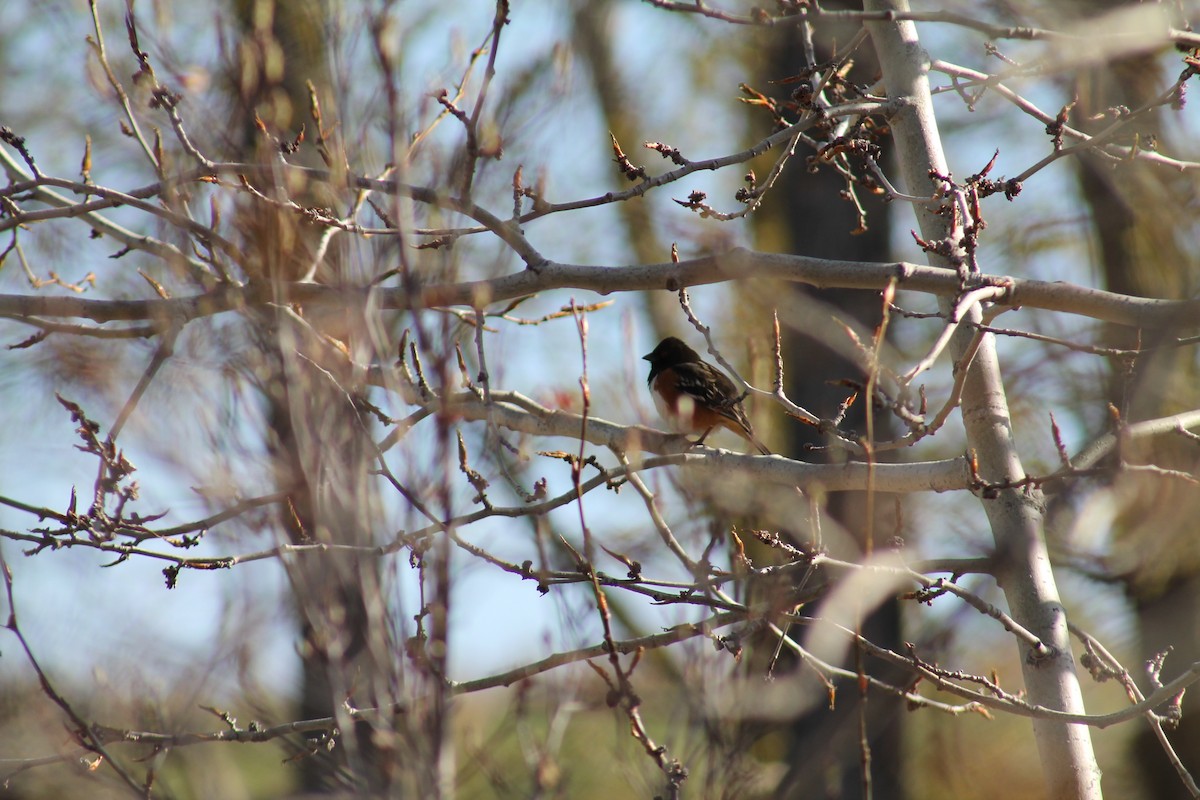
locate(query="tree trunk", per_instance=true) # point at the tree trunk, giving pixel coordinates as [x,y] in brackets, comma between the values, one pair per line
[1024,571]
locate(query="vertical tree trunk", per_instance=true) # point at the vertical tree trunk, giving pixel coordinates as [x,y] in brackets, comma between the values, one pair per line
[1068,761]
[804,215]
[315,434]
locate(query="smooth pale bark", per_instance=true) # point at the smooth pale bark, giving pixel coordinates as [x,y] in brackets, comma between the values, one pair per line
[1068,760]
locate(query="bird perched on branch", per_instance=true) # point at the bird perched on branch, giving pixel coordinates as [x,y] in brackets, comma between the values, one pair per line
[695,396]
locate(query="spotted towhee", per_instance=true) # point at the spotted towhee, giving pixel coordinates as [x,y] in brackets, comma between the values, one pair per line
[695,396]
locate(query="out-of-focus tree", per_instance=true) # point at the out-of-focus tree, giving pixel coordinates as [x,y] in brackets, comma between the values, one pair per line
[1145,232]
[342,283]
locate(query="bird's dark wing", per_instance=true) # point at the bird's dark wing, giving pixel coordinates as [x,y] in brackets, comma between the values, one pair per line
[714,394]
[712,389]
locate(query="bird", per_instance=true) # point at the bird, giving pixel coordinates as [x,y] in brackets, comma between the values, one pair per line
[695,396]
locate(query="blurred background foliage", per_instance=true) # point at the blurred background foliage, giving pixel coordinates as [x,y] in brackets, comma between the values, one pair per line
[568,74]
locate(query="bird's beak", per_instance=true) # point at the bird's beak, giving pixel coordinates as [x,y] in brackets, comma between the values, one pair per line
[647,356]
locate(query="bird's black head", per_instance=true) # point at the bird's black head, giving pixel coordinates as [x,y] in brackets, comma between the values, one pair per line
[670,351]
